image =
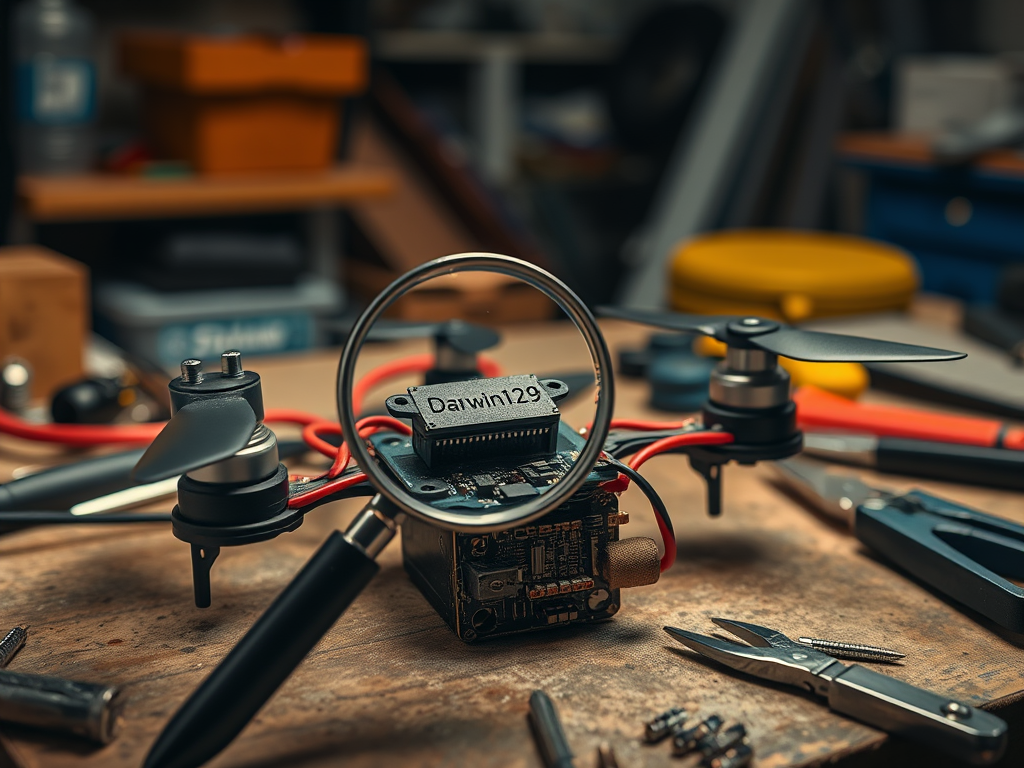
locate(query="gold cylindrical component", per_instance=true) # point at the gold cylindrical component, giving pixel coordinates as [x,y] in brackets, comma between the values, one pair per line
[631,563]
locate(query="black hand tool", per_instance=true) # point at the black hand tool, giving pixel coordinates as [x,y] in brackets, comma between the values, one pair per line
[84,709]
[952,462]
[891,705]
[966,554]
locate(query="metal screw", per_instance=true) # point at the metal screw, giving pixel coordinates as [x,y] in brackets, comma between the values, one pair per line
[15,385]
[192,371]
[11,644]
[665,724]
[852,650]
[956,711]
[606,757]
[231,363]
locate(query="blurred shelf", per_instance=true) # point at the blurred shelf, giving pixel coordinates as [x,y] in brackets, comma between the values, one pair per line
[471,46]
[915,150]
[109,197]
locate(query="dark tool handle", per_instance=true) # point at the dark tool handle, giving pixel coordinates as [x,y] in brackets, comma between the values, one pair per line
[64,486]
[957,550]
[977,465]
[547,730]
[85,709]
[996,326]
[254,669]
[940,722]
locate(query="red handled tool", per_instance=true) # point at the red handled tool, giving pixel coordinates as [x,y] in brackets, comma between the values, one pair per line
[819,411]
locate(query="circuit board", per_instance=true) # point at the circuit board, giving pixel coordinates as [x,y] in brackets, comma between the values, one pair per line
[529,577]
[483,484]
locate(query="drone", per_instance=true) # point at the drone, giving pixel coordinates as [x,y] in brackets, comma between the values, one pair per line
[509,517]
[749,392]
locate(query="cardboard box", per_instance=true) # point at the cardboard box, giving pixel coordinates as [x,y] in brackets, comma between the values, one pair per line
[245,103]
[44,314]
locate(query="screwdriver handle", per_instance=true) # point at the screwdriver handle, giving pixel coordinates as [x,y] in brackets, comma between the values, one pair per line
[275,645]
[900,708]
[974,464]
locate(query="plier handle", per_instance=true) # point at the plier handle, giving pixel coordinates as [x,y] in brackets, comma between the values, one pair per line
[963,553]
[966,554]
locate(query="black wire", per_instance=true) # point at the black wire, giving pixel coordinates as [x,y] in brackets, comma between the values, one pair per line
[57,518]
[621,444]
[353,491]
[644,485]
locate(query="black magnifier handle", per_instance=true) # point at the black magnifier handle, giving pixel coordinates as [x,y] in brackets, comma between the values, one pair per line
[279,640]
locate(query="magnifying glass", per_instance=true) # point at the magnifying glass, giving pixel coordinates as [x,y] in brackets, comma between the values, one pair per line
[303,613]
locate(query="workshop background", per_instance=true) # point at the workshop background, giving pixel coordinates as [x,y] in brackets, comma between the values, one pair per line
[310,151]
[178,180]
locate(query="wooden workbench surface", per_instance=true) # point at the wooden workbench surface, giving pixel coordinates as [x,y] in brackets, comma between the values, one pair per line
[391,685]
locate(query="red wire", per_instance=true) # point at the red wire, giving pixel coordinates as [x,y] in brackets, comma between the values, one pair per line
[661,446]
[365,427]
[311,436]
[334,486]
[87,435]
[640,425]
[380,374]
[648,425]
[675,441]
[669,540]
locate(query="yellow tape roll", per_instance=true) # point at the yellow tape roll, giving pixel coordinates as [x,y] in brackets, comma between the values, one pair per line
[792,276]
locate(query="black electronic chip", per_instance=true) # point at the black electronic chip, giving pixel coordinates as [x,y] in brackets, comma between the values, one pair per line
[484,482]
[541,470]
[464,421]
[517,491]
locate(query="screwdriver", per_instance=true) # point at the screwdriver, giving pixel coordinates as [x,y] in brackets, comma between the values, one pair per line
[547,730]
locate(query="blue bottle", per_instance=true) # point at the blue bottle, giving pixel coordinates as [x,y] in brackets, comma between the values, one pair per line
[55,87]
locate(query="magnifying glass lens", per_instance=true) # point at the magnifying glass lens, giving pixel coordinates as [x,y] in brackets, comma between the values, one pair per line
[485,453]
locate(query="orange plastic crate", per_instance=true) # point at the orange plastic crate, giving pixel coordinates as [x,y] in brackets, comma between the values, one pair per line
[245,103]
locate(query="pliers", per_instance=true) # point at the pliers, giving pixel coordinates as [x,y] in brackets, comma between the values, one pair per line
[878,700]
[961,552]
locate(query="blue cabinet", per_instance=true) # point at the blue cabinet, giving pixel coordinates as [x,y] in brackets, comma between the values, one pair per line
[962,224]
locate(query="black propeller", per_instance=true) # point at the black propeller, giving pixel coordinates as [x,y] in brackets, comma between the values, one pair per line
[771,336]
[199,434]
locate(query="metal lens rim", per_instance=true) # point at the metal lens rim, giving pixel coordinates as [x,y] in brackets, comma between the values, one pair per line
[581,316]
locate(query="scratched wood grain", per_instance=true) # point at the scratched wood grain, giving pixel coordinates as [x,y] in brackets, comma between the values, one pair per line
[390,684]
